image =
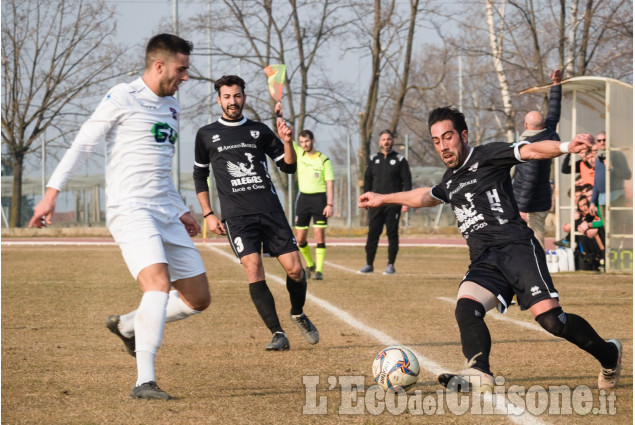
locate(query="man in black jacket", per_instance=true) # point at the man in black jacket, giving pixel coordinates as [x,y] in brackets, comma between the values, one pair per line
[387,172]
[531,181]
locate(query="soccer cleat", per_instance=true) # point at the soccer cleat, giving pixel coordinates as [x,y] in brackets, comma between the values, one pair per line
[307,328]
[149,390]
[609,378]
[318,276]
[366,269]
[308,271]
[468,380]
[112,323]
[390,269]
[278,343]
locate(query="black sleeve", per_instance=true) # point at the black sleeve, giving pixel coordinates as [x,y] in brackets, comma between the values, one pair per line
[566,164]
[201,165]
[436,192]
[553,114]
[368,178]
[406,177]
[287,168]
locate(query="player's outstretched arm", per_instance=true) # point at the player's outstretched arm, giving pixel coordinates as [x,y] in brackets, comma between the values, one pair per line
[552,148]
[44,209]
[415,198]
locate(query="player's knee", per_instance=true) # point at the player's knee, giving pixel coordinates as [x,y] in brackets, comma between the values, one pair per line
[202,302]
[296,273]
[553,321]
[468,310]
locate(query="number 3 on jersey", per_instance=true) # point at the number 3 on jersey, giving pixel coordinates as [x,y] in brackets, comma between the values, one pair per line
[238,244]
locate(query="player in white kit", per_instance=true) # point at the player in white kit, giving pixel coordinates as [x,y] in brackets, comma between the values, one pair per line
[139,122]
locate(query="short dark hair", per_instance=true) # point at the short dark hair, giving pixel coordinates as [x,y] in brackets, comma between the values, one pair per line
[170,44]
[386,132]
[307,133]
[229,80]
[448,113]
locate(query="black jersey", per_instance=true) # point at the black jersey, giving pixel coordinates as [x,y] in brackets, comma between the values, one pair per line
[480,192]
[387,173]
[237,151]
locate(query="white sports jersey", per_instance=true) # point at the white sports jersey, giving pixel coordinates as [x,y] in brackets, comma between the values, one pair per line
[140,130]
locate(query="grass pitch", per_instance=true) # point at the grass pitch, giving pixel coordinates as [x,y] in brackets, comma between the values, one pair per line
[60,365]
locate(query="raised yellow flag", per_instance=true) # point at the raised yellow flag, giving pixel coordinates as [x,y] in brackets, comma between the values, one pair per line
[275,80]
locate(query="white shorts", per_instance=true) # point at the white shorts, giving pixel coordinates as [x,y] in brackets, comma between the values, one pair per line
[153,234]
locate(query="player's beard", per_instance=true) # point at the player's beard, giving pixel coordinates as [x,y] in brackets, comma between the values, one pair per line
[235,113]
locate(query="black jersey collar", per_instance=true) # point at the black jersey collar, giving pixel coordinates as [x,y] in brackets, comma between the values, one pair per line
[231,123]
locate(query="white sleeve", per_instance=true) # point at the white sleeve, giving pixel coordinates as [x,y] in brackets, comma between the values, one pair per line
[90,134]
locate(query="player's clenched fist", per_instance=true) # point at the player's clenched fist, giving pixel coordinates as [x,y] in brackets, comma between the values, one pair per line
[369,200]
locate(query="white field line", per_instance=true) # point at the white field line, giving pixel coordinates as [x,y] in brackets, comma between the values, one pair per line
[501,403]
[337,266]
[44,242]
[503,318]
[218,242]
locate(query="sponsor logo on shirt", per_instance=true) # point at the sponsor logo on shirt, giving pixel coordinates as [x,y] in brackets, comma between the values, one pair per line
[461,186]
[473,167]
[468,217]
[246,176]
[215,138]
[162,132]
[174,114]
[393,162]
[241,145]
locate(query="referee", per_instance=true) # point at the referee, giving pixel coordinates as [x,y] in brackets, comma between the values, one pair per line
[315,199]
[387,172]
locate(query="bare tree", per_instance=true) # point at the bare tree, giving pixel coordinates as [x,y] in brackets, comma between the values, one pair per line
[390,55]
[53,55]
[496,40]
[295,34]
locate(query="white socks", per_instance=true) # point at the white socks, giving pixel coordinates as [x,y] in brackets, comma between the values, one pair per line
[175,310]
[149,322]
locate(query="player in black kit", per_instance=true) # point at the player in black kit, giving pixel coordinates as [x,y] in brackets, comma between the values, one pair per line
[506,258]
[252,217]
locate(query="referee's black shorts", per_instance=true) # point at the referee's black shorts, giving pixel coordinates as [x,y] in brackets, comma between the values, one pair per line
[268,232]
[515,268]
[310,205]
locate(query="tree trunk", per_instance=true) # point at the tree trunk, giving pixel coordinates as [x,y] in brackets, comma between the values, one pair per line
[367,118]
[16,192]
[403,89]
[496,44]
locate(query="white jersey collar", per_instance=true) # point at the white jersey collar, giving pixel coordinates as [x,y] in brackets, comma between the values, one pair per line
[232,123]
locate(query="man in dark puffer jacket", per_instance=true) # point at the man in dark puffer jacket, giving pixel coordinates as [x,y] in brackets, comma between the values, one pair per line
[531,181]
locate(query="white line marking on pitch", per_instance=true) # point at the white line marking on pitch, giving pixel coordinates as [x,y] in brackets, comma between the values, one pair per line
[501,404]
[503,318]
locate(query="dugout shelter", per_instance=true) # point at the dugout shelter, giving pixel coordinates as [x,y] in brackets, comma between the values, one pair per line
[590,105]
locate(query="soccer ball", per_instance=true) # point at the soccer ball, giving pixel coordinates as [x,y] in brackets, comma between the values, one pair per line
[394,368]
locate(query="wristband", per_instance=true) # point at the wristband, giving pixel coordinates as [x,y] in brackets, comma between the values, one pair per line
[564,147]
[329,205]
[208,214]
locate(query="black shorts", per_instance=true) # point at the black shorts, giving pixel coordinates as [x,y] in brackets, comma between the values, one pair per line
[265,232]
[310,205]
[516,268]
